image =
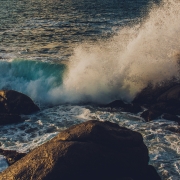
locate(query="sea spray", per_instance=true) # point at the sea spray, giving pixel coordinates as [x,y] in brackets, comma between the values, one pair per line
[100,72]
[121,66]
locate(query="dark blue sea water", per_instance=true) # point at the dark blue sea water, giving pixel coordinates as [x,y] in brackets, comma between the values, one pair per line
[32,25]
[65,53]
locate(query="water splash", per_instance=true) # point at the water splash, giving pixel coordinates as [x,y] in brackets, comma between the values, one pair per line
[121,66]
[116,68]
[34,78]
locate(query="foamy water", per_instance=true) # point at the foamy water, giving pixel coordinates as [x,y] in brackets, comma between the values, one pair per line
[90,55]
[163,145]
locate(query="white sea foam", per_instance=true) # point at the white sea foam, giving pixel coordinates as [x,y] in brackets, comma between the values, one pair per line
[163,145]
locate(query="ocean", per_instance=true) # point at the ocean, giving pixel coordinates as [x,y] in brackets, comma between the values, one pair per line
[70,56]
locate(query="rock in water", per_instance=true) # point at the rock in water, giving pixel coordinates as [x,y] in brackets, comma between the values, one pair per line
[10,118]
[150,94]
[172,96]
[14,102]
[91,150]
[133,108]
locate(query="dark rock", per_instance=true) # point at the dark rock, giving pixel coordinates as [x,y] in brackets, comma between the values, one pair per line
[171,117]
[159,100]
[91,150]
[11,156]
[150,94]
[133,108]
[150,115]
[152,173]
[164,107]
[159,106]
[172,96]
[9,119]
[116,104]
[16,103]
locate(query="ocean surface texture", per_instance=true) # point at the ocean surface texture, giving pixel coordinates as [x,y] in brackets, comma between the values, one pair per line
[70,55]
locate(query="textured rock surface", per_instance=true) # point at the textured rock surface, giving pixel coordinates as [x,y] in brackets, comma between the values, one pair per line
[14,102]
[172,96]
[91,150]
[159,100]
[150,94]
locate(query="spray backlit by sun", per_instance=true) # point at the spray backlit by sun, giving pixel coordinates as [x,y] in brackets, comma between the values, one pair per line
[121,66]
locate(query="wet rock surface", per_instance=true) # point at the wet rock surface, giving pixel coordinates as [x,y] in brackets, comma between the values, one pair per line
[159,101]
[13,104]
[163,100]
[16,103]
[91,150]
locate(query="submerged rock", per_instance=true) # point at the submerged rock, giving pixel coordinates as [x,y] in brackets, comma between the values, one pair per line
[149,115]
[172,96]
[10,118]
[133,108]
[91,150]
[13,102]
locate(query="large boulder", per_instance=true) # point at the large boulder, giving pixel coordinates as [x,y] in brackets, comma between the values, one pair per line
[159,100]
[13,102]
[172,96]
[91,150]
[151,93]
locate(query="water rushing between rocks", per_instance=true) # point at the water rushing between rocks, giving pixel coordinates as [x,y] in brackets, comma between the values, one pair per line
[69,55]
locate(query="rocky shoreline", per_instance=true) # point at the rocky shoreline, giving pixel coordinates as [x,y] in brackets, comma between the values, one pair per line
[92,149]
[157,101]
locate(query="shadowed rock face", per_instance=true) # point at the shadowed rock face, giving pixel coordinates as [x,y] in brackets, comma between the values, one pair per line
[91,150]
[160,100]
[133,108]
[150,94]
[14,102]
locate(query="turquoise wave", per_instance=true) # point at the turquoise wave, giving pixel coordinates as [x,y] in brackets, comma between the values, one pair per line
[34,78]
